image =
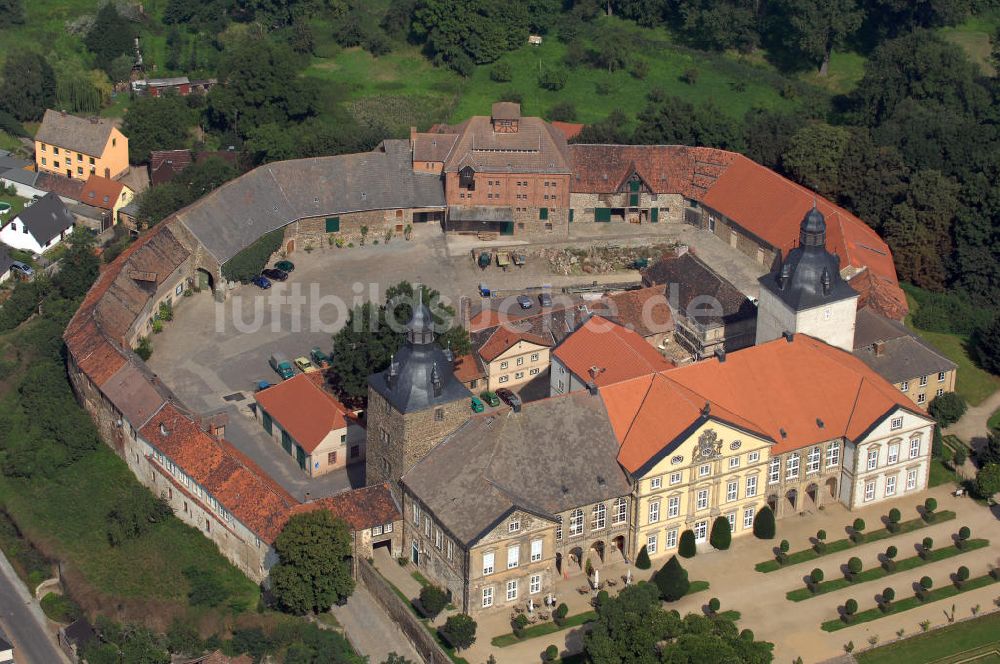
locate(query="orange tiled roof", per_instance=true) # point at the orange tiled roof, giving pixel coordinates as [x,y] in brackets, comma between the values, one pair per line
[101,192]
[503,338]
[304,409]
[605,353]
[673,169]
[568,129]
[794,393]
[467,369]
[644,310]
[360,508]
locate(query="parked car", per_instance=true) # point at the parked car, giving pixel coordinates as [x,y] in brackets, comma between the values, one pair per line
[477,405]
[490,398]
[545,300]
[274,274]
[263,385]
[261,282]
[509,397]
[22,270]
[285,266]
[319,358]
[281,366]
[304,365]
[524,301]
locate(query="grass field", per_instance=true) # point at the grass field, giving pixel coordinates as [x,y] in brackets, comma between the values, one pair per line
[948,644]
[974,35]
[16,205]
[994,420]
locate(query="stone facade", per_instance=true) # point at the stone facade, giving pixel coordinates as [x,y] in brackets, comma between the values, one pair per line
[923,389]
[738,238]
[598,534]
[669,207]
[318,231]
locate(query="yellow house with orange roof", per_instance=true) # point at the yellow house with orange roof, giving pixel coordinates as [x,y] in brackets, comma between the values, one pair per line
[77,148]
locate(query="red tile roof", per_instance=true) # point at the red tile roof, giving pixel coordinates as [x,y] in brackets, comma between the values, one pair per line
[101,192]
[504,338]
[666,169]
[604,353]
[304,409]
[794,393]
[59,185]
[467,369]
[644,310]
[360,508]
[569,129]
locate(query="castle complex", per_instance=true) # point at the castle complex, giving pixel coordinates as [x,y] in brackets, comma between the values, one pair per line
[497,506]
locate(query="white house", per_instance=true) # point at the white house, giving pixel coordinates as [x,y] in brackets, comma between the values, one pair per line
[39,227]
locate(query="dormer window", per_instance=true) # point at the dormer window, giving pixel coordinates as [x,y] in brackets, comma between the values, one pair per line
[514,525]
[467,178]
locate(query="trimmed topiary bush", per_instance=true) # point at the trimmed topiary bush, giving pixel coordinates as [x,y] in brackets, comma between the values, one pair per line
[714,605]
[686,548]
[890,559]
[559,615]
[722,534]
[854,568]
[858,531]
[763,524]
[459,630]
[672,580]
[961,575]
[820,545]
[432,601]
[925,546]
[964,533]
[926,583]
[887,596]
[929,506]
[782,551]
[552,653]
[850,608]
[894,519]
[642,560]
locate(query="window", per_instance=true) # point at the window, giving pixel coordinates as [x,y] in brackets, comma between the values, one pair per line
[700,530]
[534,357]
[487,597]
[812,463]
[896,423]
[656,483]
[451,550]
[703,471]
[747,517]
[939,392]
[923,381]
[773,471]
[890,485]
[533,372]
[91,162]
[503,365]
[751,489]
[673,506]
[734,462]
[904,386]
[872,458]
[914,448]
[753,457]
[45,148]
[438,539]
[599,517]
[331,458]
[701,499]
[792,466]
[558,533]
[179,289]
[43,161]
[833,454]
[654,512]
[535,584]
[675,478]
[921,398]
[427,527]
[941,376]
[536,550]
[416,514]
[376,530]
[651,544]
[504,379]
[519,375]
[869,490]
[487,563]
[55,150]
[619,511]
[732,490]
[731,518]
[670,541]
[911,479]
[388,527]
[512,590]
[79,170]
[575,522]
[520,360]
[893,455]
[439,414]
[513,556]
[513,525]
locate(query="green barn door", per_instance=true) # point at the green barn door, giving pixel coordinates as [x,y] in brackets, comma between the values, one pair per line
[506,228]
[602,214]
[300,456]
[332,224]
[654,215]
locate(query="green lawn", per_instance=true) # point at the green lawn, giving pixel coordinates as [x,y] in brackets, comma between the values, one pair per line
[994,420]
[941,474]
[974,36]
[939,644]
[846,69]
[16,205]
[973,384]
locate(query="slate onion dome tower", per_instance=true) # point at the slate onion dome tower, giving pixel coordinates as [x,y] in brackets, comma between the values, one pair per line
[414,404]
[805,292]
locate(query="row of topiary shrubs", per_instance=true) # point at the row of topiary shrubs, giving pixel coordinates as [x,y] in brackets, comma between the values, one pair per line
[921,592]
[720,537]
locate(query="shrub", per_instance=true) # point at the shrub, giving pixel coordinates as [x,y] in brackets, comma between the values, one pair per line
[247,264]
[559,615]
[858,530]
[888,595]
[460,631]
[714,605]
[501,72]
[961,575]
[763,524]
[960,456]
[564,111]
[642,560]
[145,348]
[890,555]
[816,576]
[926,583]
[690,75]
[894,519]
[850,608]
[672,580]
[929,506]
[519,623]
[854,567]
[964,533]
[820,545]
[722,535]
[782,551]
[553,78]
[947,408]
[639,69]
[988,480]
[551,653]
[205,589]
[432,601]
[926,545]
[686,548]
[134,513]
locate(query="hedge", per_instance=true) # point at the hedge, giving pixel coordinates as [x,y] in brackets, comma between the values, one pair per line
[247,264]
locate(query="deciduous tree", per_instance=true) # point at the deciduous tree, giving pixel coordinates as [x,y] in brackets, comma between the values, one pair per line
[314,568]
[29,85]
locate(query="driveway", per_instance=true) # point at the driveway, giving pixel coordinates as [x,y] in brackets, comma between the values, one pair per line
[370,630]
[23,621]
[972,427]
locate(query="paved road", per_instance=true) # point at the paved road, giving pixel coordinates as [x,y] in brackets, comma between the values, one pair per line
[24,622]
[370,629]
[972,426]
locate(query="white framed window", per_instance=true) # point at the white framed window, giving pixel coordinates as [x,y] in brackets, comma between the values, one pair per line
[700,531]
[519,375]
[751,489]
[599,519]
[704,470]
[773,471]
[911,479]
[701,499]
[504,364]
[179,289]
[675,478]
[535,584]
[873,458]
[575,522]
[904,386]
[753,457]
[921,398]
[655,483]
[670,540]
[940,376]
[512,590]
[747,517]
[892,456]
[651,544]
[438,539]
[923,381]
[520,361]
[792,466]
[451,550]
[734,462]
[488,563]
[812,461]
[427,527]
[536,550]
[388,527]
[833,454]
[890,485]
[939,392]
[869,490]
[487,597]
[513,525]
[620,511]
[896,423]
[533,372]
[534,357]
[416,514]
[503,379]
[513,556]
[654,512]
[673,506]
[731,518]
[558,533]
[732,490]
[914,448]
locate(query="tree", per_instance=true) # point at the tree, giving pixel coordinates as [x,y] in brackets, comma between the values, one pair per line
[156,123]
[248,263]
[687,548]
[314,568]
[11,13]
[767,135]
[204,176]
[675,121]
[642,560]
[986,344]
[460,631]
[672,580]
[456,32]
[110,37]
[850,608]
[29,85]
[395,658]
[887,596]
[559,615]
[432,600]
[894,518]
[763,524]
[719,25]
[926,583]
[858,530]
[553,78]
[813,28]
[721,535]
[564,111]
[551,653]
[611,51]
[961,575]
[79,266]
[714,605]
[814,156]
[990,453]
[159,202]
[926,545]
[854,567]
[988,480]
[816,576]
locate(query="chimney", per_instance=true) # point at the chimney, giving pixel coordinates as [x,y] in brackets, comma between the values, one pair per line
[820,423]
[720,354]
[595,371]
[787,336]
[879,347]
[706,409]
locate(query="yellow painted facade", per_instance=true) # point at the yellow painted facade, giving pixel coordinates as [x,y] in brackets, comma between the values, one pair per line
[717,470]
[111,163]
[517,365]
[923,389]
